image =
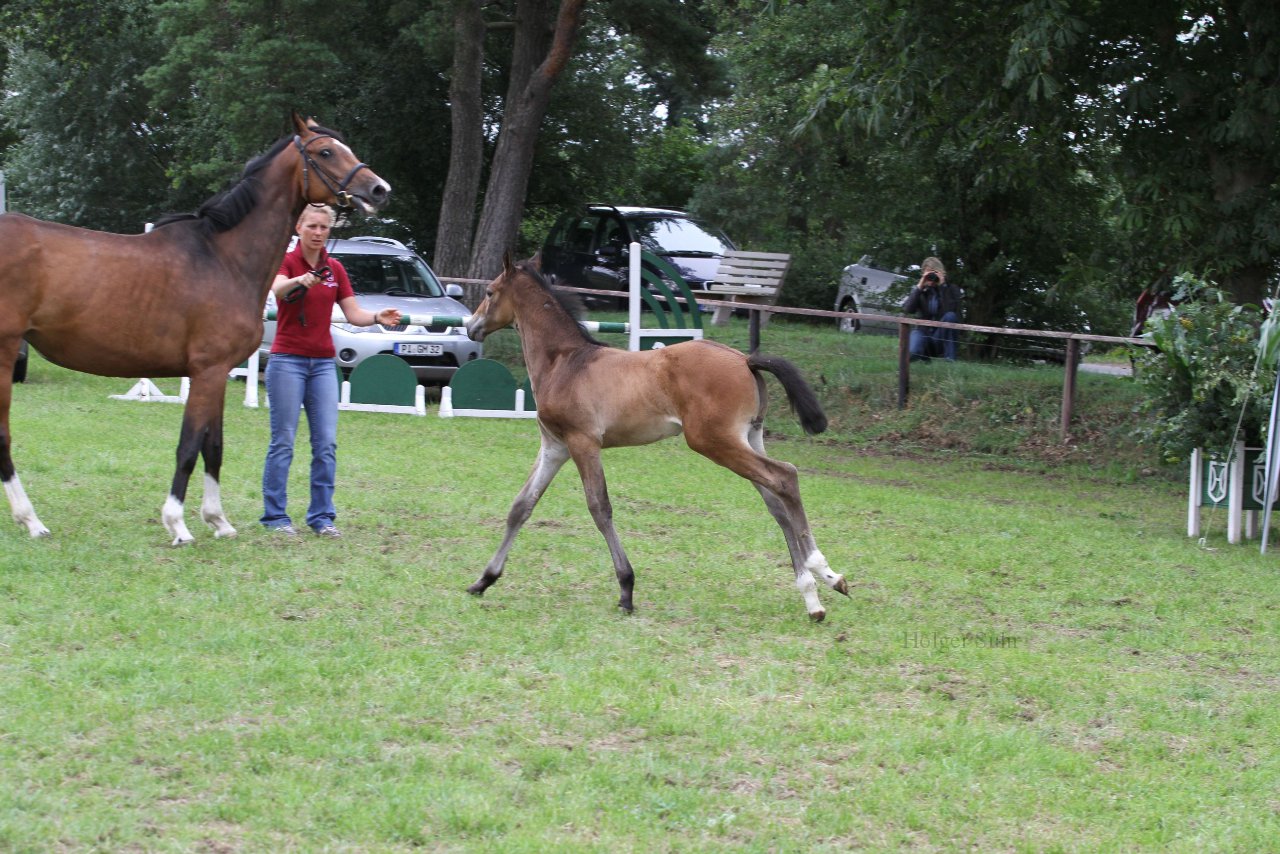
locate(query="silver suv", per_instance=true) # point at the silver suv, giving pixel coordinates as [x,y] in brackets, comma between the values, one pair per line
[386,274]
[866,288]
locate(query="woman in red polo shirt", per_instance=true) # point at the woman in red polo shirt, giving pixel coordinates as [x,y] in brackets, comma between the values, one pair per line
[301,373]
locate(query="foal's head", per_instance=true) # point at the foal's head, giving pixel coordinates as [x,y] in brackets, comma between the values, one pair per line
[498,310]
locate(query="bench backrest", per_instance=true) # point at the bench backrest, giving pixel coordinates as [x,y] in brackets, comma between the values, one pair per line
[745,273]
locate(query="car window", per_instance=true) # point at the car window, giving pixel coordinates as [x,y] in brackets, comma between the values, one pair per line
[558,236]
[613,233]
[678,235]
[581,234]
[390,274]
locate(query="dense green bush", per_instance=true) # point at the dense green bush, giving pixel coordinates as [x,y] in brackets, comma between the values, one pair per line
[1206,386]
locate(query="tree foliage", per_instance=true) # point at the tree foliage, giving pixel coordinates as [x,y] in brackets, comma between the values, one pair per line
[1205,385]
[911,146]
[1057,162]
[1186,95]
[1085,149]
[85,150]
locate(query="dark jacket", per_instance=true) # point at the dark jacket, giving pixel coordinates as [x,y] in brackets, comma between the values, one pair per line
[949,298]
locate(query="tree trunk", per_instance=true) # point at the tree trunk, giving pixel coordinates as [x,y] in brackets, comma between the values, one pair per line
[466,148]
[1242,175]
[532,78]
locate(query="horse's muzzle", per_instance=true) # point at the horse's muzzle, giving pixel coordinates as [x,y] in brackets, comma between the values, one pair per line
[475,327]
[368,199]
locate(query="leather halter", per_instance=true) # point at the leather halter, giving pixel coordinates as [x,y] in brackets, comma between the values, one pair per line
[339,189]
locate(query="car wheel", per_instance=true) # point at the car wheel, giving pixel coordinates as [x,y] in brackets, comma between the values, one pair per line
[849,324]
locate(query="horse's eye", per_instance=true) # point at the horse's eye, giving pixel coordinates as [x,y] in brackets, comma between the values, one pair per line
[326,152]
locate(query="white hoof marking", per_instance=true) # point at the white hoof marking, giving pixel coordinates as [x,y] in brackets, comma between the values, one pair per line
[809,590]
[23,513]
[211,510]
[171,515]
[817,564]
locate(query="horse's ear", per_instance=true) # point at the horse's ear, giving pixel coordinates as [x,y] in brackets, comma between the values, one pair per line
[506,261]
[302,125]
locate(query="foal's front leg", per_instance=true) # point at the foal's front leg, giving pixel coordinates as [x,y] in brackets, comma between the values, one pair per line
[586,455]
[551,457]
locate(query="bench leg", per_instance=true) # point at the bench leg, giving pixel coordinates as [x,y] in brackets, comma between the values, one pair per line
[723,312]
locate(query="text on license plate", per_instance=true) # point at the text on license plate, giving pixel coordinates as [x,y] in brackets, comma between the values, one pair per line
[406,349]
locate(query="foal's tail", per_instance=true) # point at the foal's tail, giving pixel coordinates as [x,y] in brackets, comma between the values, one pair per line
[804,403]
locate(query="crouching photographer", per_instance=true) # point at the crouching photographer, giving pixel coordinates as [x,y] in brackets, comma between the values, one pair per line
[934,298]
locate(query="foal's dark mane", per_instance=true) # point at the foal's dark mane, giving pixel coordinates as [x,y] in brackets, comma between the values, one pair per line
[568,302]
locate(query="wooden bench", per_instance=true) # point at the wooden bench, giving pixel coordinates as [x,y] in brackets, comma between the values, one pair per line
[750,277]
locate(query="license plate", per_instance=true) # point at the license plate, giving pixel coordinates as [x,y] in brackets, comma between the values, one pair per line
[406,349]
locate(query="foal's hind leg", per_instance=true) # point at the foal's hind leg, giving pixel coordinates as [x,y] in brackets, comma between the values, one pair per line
[551,457]
[23,513]
[806,557]
[779,486]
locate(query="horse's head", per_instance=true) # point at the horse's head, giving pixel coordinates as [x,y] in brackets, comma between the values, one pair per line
[331,172]
[498,309]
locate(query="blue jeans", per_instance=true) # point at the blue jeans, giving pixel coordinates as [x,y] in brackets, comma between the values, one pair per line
[294,383]
[929,341]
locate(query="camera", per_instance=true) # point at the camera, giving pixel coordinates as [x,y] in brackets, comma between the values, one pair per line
[931,278]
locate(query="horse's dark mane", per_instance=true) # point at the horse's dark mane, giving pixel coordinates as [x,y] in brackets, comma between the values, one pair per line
[227,209]
[568,301]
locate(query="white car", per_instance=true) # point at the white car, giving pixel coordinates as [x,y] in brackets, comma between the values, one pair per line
[866,288]
[385,273]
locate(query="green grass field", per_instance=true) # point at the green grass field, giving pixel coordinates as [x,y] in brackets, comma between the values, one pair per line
[1033,658]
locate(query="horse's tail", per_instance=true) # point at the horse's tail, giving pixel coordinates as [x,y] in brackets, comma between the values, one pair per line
[804,403]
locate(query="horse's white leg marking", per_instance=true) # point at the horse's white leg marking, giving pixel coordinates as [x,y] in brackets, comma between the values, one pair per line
[171,515]
[805,556]
[23,512]
[211,509]
[817,563]
[809,590]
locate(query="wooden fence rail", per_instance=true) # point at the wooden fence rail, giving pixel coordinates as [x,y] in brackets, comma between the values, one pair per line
[1071,363]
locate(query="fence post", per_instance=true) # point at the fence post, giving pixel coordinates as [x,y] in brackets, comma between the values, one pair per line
[1069,386]
[904,363]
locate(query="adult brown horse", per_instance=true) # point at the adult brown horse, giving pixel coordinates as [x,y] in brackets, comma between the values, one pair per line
[591,396]
[185,299]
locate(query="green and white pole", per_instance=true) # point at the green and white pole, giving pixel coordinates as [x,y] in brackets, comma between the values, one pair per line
[459,321]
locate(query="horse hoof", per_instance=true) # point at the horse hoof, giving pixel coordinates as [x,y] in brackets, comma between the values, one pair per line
[38,533]
[626,609]
[225,533]
[476,589]
[841,586]
[182,541]
[817,616]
